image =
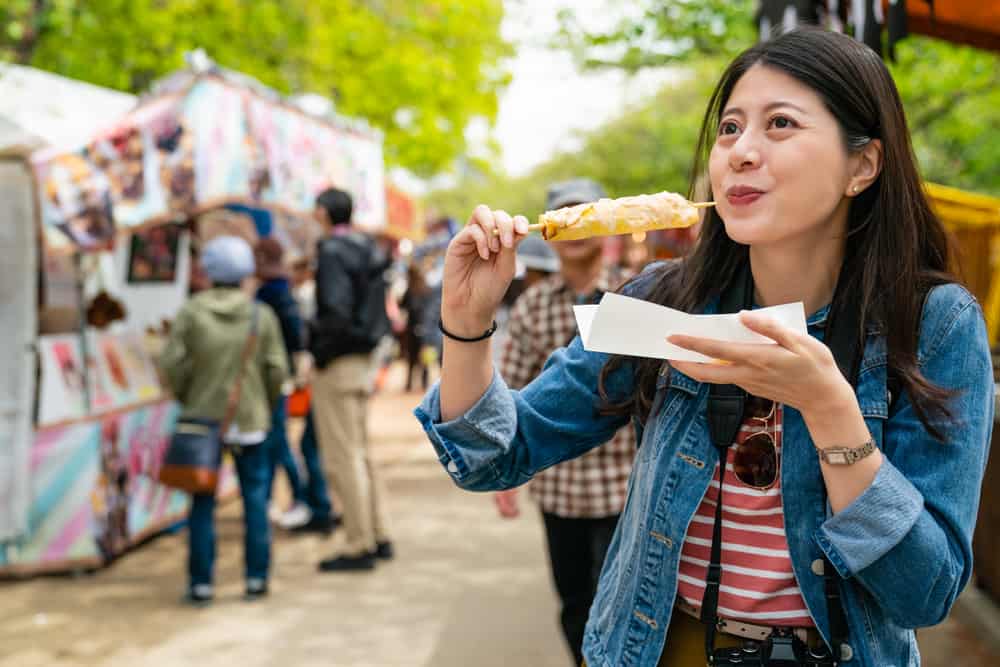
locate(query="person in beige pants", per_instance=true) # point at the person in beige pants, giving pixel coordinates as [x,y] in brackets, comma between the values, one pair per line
[349,321]
[340,405]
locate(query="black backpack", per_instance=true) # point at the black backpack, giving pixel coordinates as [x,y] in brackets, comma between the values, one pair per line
[370,292]
[332,336]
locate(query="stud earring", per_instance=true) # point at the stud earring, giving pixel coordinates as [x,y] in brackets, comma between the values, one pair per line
[855,189]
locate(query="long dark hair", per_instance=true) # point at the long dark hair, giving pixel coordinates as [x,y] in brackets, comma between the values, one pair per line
[896,247]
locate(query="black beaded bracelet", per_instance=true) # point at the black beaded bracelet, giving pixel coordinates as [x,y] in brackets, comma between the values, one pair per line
[489,332]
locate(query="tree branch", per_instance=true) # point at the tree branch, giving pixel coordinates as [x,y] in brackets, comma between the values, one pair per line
[24,48]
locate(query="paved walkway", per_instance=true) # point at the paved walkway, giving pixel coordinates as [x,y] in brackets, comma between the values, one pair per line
[467,589]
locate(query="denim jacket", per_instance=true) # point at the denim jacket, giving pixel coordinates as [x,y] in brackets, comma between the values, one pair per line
[903,548]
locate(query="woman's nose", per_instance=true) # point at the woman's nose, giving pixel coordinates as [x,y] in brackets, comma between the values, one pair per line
[744,153]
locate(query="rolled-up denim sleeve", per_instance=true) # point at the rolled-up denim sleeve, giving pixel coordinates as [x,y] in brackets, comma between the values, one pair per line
[509,435]
[907,539]
[866,529]
[466,445]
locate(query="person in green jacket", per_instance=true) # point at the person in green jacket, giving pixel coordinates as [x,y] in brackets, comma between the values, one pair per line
[201,363]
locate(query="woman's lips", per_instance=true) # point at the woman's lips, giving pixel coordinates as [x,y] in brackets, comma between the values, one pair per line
[744,200]
[743,195]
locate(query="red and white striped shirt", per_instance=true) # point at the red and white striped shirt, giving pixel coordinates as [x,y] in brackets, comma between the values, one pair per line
[758,585]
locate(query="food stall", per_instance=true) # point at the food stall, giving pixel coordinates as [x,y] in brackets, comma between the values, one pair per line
[101,237]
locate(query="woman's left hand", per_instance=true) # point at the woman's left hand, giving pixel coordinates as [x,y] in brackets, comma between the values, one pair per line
[799,371]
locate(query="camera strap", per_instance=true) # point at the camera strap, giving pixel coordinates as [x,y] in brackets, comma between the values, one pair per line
[725,415]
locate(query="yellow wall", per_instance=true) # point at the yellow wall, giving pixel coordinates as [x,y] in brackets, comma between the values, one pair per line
[974,220]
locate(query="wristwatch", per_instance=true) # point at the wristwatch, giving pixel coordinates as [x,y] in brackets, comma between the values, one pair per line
[845,456]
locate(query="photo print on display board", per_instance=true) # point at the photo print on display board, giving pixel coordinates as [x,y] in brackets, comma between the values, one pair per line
[153,255]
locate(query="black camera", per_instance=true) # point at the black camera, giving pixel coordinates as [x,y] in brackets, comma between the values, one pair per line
[775,651]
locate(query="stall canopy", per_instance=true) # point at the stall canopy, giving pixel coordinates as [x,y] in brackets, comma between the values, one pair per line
[14,139]
[970,22]
[201,141]
[50,110]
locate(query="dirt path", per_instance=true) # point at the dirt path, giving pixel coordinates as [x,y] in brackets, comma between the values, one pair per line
[466,589]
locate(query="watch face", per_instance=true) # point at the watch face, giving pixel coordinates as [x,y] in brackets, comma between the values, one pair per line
[837,458]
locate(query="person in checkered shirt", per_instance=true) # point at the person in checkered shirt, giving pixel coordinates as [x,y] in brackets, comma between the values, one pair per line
[580,499]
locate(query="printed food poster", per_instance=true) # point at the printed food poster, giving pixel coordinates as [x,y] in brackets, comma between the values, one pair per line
[139,367]
[126,371]
[101,388]
[75,199]
[62,394]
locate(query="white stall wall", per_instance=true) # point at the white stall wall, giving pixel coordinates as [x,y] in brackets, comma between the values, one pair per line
[145,304]
[148,305]
[18,294]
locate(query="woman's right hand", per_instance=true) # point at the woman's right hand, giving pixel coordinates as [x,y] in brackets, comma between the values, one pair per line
[478,269]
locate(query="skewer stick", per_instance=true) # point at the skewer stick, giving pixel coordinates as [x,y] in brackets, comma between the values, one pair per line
[536,227]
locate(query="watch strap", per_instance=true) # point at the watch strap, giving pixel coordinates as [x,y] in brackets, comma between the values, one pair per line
[845,456]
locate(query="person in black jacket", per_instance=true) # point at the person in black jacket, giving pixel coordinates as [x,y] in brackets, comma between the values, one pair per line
[276,292]
[349,322]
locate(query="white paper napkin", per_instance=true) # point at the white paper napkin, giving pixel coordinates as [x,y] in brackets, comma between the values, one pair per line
[624,325]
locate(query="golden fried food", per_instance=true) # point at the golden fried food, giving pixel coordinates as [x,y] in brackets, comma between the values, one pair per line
[627,215]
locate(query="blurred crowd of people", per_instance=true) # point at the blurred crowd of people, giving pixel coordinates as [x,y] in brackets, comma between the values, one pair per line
[330,328]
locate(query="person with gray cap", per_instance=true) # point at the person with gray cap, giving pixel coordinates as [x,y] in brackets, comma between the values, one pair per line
[581,498]
[536,260]
[201,363]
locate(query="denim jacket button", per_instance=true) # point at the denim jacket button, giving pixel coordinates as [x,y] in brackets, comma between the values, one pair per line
[846,652]
[452,467]
[819,567]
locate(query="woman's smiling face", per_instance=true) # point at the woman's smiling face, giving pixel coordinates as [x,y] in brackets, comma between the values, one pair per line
[779,167]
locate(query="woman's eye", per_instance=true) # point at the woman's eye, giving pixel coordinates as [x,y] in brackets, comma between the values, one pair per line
[729,127]
[782,123]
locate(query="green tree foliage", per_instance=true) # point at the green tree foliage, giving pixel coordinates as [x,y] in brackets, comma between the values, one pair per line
[647,149]
[952,100]
[951,93]
[662,32]
[420,70]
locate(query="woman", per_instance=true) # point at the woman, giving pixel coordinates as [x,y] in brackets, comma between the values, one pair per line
[819,201]
[201,362]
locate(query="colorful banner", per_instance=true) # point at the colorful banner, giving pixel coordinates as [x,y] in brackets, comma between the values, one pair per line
[142,157]
[223,150]
[304,156]
[364,178]
[93,492]
[214,144]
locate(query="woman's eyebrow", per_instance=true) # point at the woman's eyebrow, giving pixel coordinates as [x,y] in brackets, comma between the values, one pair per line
[736,111]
